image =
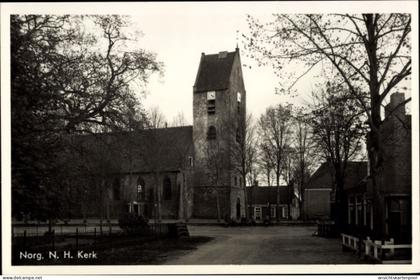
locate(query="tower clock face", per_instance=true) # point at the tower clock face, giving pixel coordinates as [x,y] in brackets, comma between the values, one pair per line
[211,95]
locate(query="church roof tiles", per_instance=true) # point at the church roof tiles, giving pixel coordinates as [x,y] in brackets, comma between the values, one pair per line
[144,151]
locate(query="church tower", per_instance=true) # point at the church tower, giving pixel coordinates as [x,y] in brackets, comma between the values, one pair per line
[219,104]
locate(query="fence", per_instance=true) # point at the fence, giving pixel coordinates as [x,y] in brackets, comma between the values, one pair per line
[386,252]
[64,229]
[350,242]
[80,235]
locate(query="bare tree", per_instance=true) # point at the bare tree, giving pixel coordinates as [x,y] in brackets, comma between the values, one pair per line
[303,154]
[179,120]
[338,131]
[245,153]
[265,161]
[156,118]
[371,53]
[275,134]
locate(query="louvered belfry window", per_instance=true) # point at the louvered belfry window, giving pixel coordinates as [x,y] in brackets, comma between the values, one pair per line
[211,102]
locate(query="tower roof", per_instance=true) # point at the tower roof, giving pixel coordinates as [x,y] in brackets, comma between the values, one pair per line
[214,71]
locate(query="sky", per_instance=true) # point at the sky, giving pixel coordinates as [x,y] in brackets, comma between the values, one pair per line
[179,32]
[179,35]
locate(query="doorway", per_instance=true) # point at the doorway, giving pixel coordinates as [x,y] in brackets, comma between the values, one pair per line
[238,209]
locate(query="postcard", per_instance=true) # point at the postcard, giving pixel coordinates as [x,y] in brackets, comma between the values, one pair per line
[210,137]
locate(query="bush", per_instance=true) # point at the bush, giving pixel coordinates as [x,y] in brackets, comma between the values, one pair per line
[132,223]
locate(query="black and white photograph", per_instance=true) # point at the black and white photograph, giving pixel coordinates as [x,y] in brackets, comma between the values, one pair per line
[229,136]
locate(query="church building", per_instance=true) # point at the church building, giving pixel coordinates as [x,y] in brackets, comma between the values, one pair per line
[175,172]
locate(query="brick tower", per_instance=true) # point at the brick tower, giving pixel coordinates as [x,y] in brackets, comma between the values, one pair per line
[219,103]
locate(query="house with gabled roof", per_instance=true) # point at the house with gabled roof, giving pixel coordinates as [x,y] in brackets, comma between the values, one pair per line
[262,202]
[319,192]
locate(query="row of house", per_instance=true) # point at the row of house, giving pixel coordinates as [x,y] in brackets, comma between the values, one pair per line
[382,212]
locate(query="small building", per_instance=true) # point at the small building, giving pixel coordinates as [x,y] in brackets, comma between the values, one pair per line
[319,192]
[262,202]
[316,198]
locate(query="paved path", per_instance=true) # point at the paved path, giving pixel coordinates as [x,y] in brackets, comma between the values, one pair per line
[264,245]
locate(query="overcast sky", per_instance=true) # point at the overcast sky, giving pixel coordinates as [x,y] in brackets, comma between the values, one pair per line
[179,35]
[180,32]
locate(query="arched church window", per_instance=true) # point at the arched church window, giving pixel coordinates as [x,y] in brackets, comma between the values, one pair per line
[141,189]
[116,192]
[167,188]
[211,133]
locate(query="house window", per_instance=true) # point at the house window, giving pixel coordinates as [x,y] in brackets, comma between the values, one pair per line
[368,214]
[116,189]
[283,212]
[211,102]
[359,210]
[257,213]
[365,211]
[191,161]
[350,214]
[240,181]
[141,188]
[167,189]
[273,211]
[211,133]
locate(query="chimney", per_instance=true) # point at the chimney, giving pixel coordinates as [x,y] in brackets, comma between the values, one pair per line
[396,99]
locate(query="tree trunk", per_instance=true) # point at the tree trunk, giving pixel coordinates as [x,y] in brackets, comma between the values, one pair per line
[339,216]
[218,206]
[157,198]
[277,198]
[374,145]
[245,198]
[375,158]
